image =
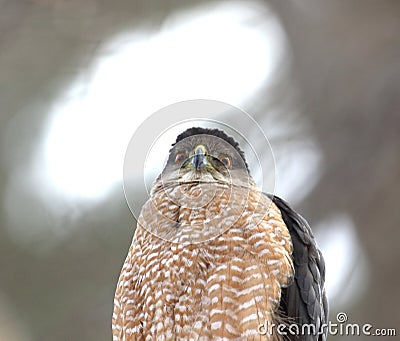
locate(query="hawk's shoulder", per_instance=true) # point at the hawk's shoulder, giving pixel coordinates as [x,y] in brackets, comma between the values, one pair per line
[304,301]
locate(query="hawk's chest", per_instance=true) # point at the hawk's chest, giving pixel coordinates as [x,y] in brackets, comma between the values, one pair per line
[205,261]
[195,227]
[199,212]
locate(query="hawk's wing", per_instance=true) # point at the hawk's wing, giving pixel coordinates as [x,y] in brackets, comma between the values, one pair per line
[304,301]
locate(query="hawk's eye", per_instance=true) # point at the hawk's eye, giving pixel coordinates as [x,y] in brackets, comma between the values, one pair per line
[180,157]
[226,161]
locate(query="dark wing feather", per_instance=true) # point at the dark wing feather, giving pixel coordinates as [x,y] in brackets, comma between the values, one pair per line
[304,301]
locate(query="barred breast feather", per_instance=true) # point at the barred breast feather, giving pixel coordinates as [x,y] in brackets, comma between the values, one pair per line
[210,271]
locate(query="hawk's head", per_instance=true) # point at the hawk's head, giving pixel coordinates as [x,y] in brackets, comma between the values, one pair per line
[204,188]
[202,155]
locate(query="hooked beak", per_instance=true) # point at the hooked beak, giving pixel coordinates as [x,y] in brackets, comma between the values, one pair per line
[199,160]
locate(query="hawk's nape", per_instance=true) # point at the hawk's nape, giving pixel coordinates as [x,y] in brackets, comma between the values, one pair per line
[213,258]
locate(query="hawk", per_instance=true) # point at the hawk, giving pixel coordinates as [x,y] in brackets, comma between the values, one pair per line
[214,258]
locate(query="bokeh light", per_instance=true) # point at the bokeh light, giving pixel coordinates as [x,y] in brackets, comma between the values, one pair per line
[212,52]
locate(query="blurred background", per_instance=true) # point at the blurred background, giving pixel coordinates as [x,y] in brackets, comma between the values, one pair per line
[78,77]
